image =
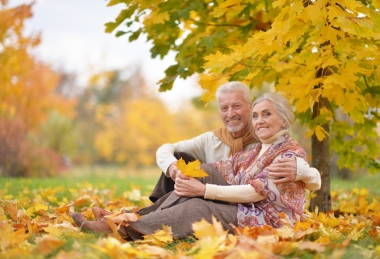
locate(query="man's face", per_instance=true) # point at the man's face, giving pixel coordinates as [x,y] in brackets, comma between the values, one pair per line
[234,111]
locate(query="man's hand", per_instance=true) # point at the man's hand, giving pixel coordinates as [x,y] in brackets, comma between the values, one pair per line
[175,173]
[284,171]
[189,188]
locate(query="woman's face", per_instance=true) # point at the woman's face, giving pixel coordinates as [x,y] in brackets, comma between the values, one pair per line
[265,120]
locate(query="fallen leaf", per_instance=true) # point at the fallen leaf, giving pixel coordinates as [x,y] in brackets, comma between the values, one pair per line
[204,229]
[160,237]
[307,245]
[48,244]
[123,218]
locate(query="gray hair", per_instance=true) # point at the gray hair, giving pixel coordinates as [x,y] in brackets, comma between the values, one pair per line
[280,104]
[234,86]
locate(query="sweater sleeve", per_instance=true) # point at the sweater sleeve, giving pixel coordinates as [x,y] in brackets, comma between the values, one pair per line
[309,175]
[194,147]
[233,193]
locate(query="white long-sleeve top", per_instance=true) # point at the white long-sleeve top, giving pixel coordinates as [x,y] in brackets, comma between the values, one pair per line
[209,148]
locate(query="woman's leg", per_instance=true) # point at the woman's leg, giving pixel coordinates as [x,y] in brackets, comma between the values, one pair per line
[181,215]
[214,177]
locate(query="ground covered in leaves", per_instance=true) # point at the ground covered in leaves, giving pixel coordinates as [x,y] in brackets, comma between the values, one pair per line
[37,223]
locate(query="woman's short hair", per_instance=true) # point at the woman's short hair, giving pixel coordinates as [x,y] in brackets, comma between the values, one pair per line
[234,86]
[280,104]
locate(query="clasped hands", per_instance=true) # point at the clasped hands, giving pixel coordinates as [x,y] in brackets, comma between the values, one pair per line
[284,171]
[186,186]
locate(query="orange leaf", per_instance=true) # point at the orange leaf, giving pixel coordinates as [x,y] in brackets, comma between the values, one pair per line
[48,244]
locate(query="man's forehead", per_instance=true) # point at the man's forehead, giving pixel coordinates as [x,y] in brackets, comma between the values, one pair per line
[231,97]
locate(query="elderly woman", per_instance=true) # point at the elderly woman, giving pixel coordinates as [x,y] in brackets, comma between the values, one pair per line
[238,190]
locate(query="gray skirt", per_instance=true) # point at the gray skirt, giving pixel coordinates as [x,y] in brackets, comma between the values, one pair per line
[181,212]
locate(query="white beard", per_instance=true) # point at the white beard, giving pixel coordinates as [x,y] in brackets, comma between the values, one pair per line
[235,128]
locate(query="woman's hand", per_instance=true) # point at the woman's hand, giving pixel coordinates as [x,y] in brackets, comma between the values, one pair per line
[190,187]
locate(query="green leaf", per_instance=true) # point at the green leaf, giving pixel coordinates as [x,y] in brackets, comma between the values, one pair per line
[206,42]
[135,35]
[120,33]
[124,14]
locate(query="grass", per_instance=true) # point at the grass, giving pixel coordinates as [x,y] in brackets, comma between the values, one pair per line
[117,178]
[122,179]
[368,181]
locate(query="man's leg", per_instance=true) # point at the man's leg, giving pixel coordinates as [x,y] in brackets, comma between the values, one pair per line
[166,184]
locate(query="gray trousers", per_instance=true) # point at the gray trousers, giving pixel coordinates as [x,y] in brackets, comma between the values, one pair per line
[181,212]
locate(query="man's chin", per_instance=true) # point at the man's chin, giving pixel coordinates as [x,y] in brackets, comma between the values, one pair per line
[235,128]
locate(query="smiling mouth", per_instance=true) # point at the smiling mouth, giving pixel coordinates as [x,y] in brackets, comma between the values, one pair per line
[233,120]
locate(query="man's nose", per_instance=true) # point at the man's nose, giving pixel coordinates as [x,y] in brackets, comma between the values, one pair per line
[230,112]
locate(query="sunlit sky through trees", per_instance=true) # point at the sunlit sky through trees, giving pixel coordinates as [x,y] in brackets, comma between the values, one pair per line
[73,39]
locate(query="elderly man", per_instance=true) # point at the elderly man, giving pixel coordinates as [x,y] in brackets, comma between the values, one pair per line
[234,101]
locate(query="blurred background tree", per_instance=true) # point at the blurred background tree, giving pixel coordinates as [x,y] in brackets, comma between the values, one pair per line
[27,95]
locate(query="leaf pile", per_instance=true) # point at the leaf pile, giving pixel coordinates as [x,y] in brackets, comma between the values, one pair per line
[36,224]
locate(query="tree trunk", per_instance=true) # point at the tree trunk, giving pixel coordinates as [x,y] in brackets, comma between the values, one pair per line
[321,160]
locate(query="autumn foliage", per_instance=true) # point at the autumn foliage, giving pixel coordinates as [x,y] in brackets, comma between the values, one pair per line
[36,223]
[323,55]
[27,94]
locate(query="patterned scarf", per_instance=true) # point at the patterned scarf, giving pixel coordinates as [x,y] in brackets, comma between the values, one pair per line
[236,144]
[287,198]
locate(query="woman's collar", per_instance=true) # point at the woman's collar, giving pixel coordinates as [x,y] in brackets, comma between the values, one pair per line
[272,139]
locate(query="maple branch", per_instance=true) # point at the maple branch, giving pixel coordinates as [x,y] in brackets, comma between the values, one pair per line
[226,25]
[248,66]
[301,64]
[365,81]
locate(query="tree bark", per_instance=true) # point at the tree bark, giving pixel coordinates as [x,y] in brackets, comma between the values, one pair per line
[321,160]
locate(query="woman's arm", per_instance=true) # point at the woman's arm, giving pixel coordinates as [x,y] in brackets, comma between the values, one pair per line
[233,193]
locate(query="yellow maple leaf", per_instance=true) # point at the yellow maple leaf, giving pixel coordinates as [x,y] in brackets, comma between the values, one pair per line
[192,169]
[211,83]
[53,230]
[205,229]
[333,222]
[157,18]
[321,133]
[160,237]
[218,62]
